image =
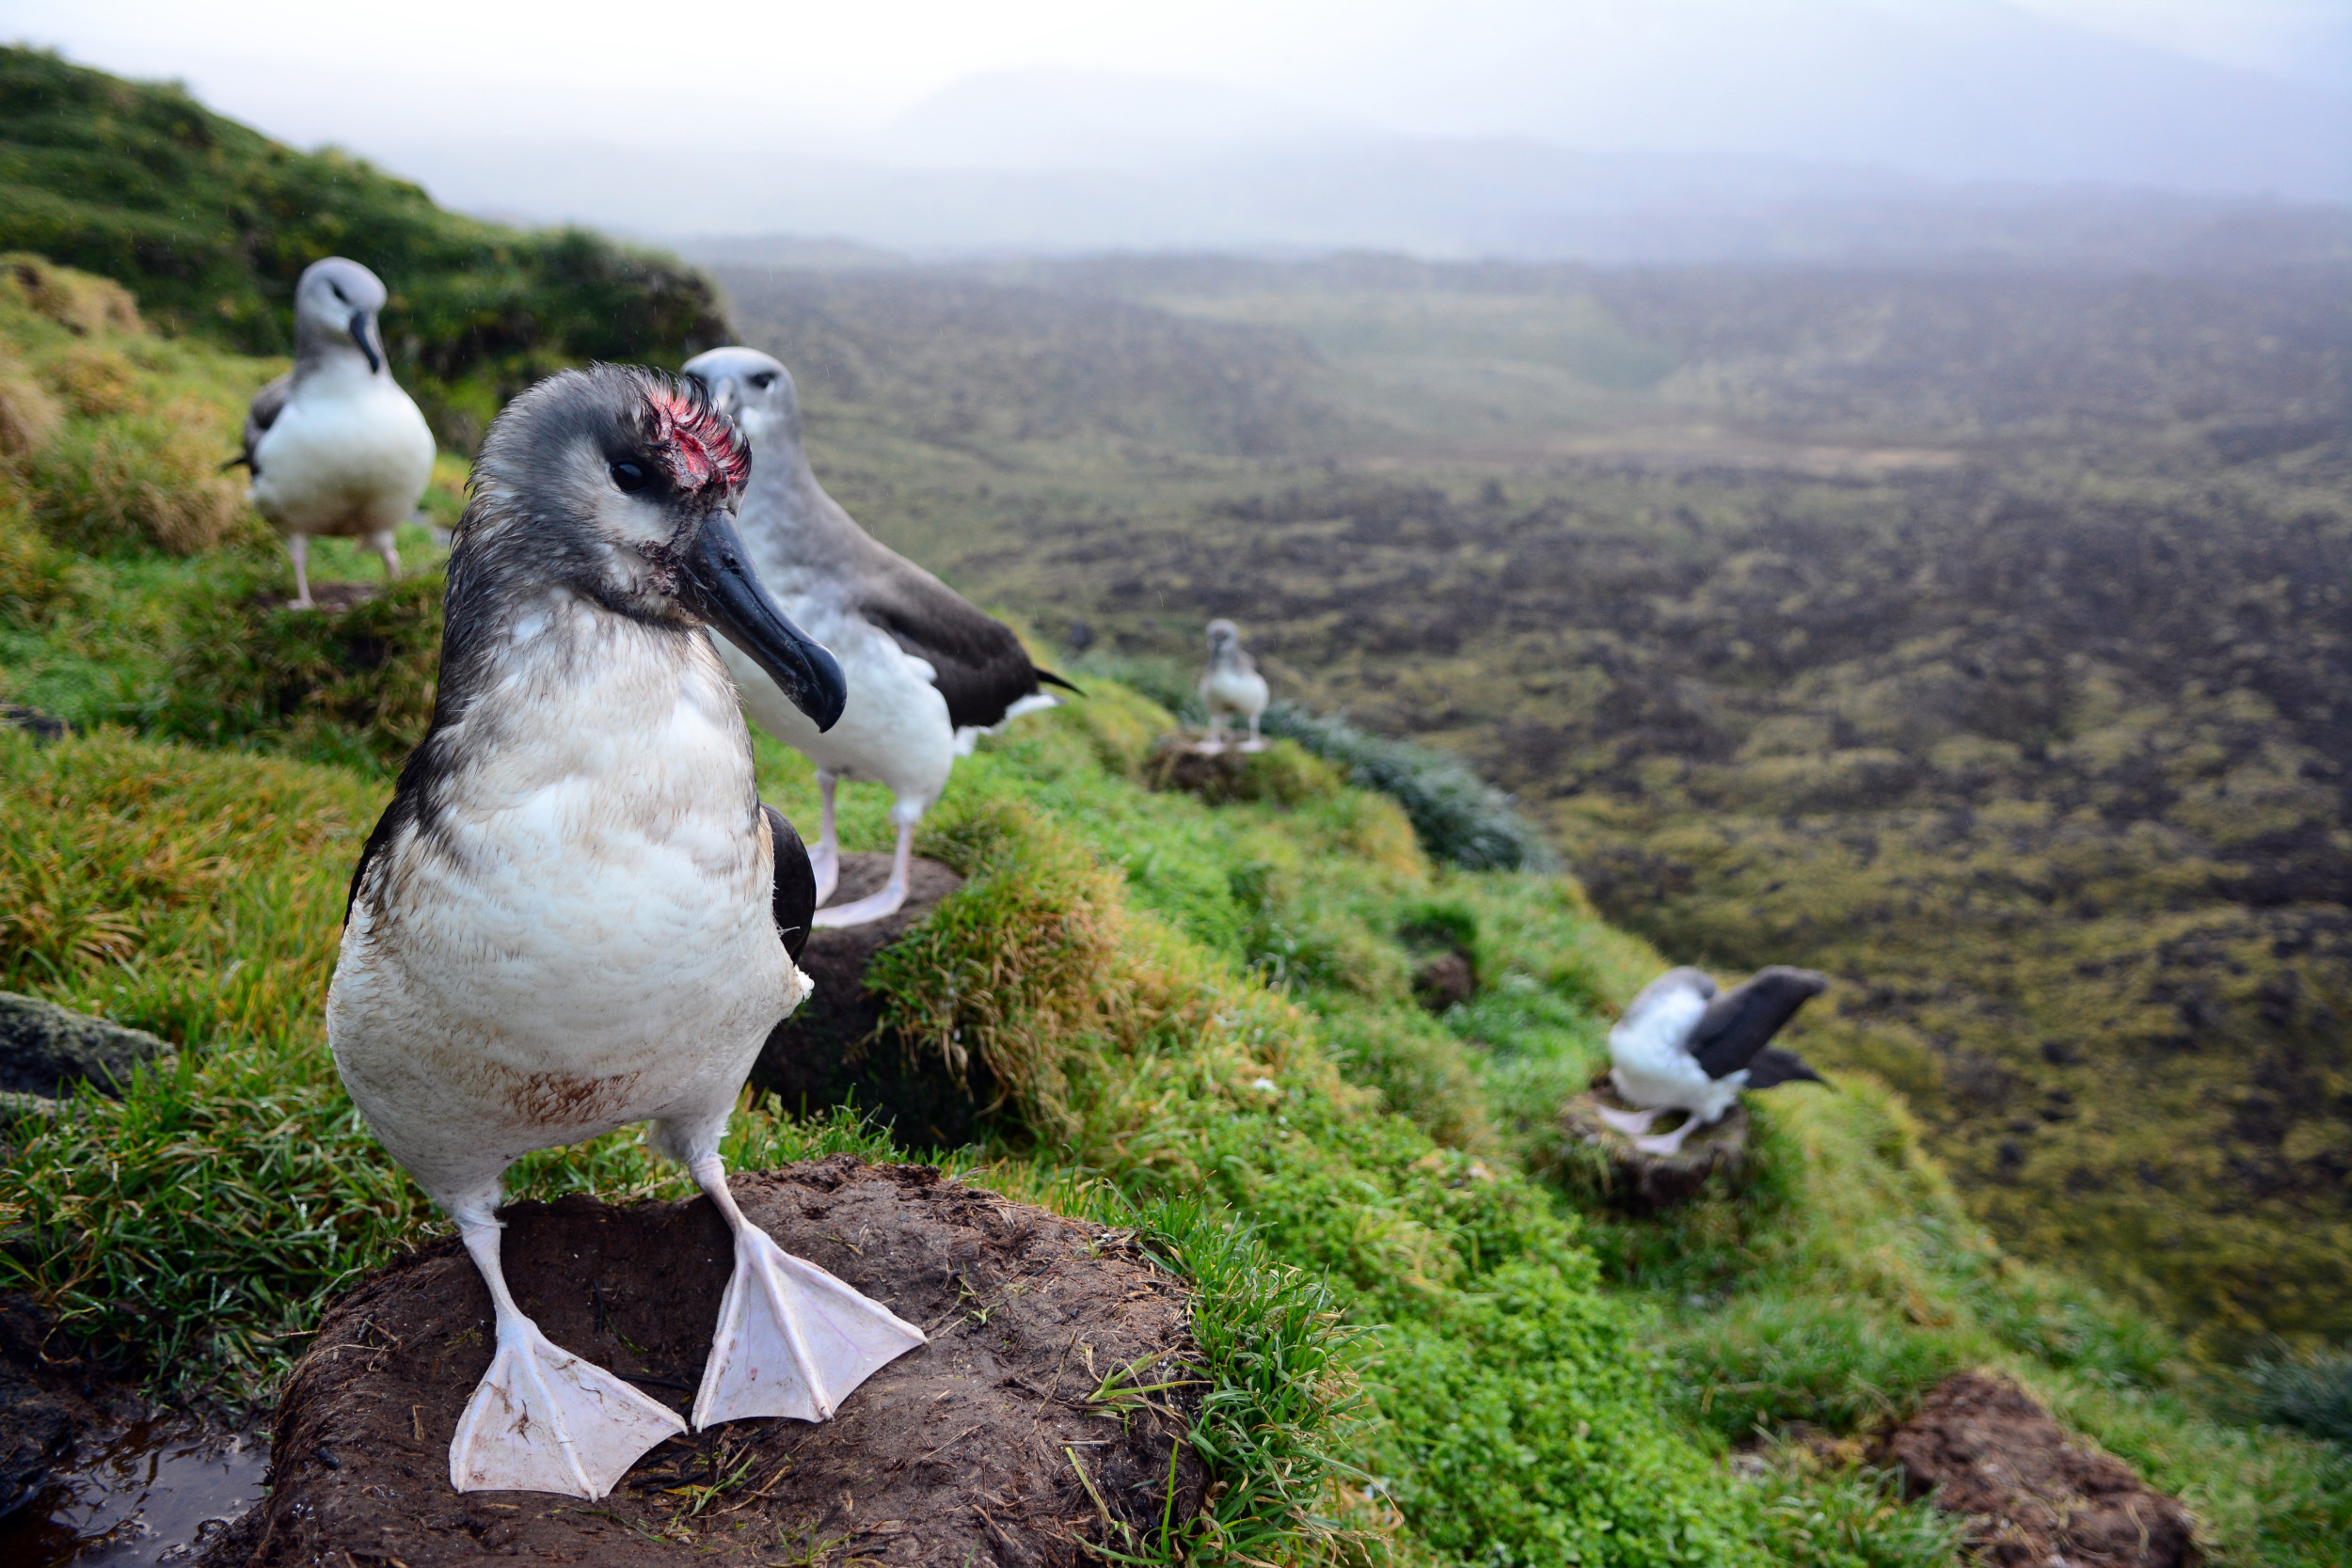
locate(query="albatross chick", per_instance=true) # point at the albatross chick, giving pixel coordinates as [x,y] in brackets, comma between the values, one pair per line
[576,913]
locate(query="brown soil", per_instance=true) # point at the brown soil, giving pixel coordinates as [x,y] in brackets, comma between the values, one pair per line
[830,1052]
[1641,1183]
[1985,1449]
[1444,981]
[963,1453]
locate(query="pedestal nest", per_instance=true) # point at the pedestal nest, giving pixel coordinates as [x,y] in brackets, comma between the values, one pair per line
[1281,773]
[995,1444]
[1604,1160]
[830,1052]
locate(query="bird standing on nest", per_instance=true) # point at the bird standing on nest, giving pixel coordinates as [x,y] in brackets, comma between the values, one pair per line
[576,913]
[335,445]
[928,672]
[1232,684]
[1682,1047]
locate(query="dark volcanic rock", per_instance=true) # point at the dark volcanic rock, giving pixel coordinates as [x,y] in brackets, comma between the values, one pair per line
[39,725]
[830,1052]
[45,1047]
[1983,1448]
[963,1453]
[1629,1180]
[41,1411]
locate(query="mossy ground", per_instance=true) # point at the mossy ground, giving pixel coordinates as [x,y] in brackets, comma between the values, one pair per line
[1423,1344]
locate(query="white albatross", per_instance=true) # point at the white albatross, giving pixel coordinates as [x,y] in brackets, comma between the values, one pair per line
[335,445]
[928,672]
[1232,684]
[1682,1047]
[576,914]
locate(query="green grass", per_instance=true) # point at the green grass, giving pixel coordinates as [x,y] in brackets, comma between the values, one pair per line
[209,224]
[1421,1338]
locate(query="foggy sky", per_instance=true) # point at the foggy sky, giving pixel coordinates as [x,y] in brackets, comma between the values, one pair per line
[496,105]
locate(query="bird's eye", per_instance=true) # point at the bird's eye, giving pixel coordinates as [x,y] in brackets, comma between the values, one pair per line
[764,380]
[337,289]
[629,476]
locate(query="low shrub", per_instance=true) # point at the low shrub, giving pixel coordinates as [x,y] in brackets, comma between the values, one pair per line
[2311,1391]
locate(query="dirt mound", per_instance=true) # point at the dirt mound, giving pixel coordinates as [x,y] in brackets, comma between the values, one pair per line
[995,1444]
[828,1051]
[1986,1450]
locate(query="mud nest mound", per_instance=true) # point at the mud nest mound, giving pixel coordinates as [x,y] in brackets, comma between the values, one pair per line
[1279,772]
[1603,1161]
[995,1444]
[1987,1450]
[833,1052]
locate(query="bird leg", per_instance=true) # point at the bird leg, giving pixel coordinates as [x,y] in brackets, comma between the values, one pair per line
[878,905]
[542,1420]
[824,856]
[1668,1144]
[1214,742]
[792,1340]
[1632,1123]
[1256,741]
[298,546]
[381,544]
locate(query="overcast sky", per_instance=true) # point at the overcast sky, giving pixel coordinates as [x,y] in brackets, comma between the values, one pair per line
[375,77]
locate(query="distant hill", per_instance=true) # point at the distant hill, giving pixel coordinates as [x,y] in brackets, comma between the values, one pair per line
[209,224]
[964,362]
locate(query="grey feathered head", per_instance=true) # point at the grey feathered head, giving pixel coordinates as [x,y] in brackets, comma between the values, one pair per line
[619,485]
[755,391]
[335,306]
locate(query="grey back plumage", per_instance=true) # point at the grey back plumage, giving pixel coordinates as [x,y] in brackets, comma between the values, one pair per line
[795,529]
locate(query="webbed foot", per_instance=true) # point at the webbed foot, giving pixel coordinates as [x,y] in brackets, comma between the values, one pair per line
[542,1420]
[792,1340]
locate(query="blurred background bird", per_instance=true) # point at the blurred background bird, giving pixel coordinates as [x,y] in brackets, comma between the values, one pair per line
[335,447]
[1231,685]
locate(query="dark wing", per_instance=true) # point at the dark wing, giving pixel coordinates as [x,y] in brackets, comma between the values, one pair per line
[1740,1022]
[795,902]
[1774,1066]
[984,669]
[267,405]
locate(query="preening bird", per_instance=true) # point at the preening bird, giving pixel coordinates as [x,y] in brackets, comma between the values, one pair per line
[1232,684]
[1683,1047]
[576,913]
[928,672]
[335,445]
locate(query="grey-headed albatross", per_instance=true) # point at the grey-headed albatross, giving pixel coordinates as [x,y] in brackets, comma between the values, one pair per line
[576,913]
[335,445]
[1683,1047]
[928,672]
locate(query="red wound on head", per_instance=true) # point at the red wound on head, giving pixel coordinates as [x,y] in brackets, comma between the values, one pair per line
[700,444]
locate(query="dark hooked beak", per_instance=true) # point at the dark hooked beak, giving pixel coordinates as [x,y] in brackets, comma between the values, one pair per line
[721,588]
[363,334]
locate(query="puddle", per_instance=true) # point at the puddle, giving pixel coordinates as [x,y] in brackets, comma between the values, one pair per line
[152,1493]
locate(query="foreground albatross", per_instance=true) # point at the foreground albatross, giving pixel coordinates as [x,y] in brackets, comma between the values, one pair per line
[576,914]
[1682,1047]
[335,445]
[927,671]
